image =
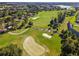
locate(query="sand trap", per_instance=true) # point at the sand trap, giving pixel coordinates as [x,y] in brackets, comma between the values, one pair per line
[34,18]
[46,35]
[76,25]
[33,48]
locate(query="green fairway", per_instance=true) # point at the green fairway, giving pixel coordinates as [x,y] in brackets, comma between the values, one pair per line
[39,29]
[7,39]
[53,44]
[44,18]
[73,22]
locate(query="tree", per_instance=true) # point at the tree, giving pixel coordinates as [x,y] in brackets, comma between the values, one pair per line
[74,36]
[11,50]
[70,44]
[30,24]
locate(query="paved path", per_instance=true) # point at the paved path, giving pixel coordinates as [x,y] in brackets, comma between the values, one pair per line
[18,33]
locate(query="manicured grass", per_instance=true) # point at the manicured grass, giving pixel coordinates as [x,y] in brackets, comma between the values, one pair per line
[6,39]
[63,26]
[76,28]
[73,19]
[73,22]
[44,18]
[53,44]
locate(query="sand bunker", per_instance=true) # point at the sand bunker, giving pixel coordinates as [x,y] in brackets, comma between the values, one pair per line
[76,25]
[34,18]
[33,48]
[46,35]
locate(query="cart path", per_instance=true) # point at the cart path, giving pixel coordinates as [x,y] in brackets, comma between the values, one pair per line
[11,33]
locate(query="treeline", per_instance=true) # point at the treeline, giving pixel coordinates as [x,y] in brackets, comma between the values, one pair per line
[11,50]
[70,44]
[54,23]
[71,12]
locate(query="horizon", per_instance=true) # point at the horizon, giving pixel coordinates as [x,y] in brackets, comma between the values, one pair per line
[75,4]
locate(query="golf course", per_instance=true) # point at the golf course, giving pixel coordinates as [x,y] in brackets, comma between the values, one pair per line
[53,44]
[38,30]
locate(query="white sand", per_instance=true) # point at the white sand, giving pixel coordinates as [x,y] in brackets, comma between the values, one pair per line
[46,35]
[33,48]
[34,18]
[76,25]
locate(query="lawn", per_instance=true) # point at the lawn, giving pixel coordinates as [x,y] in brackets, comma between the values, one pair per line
[64,24]
[6,39]
[53,44]
[73,22]
[44,18]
